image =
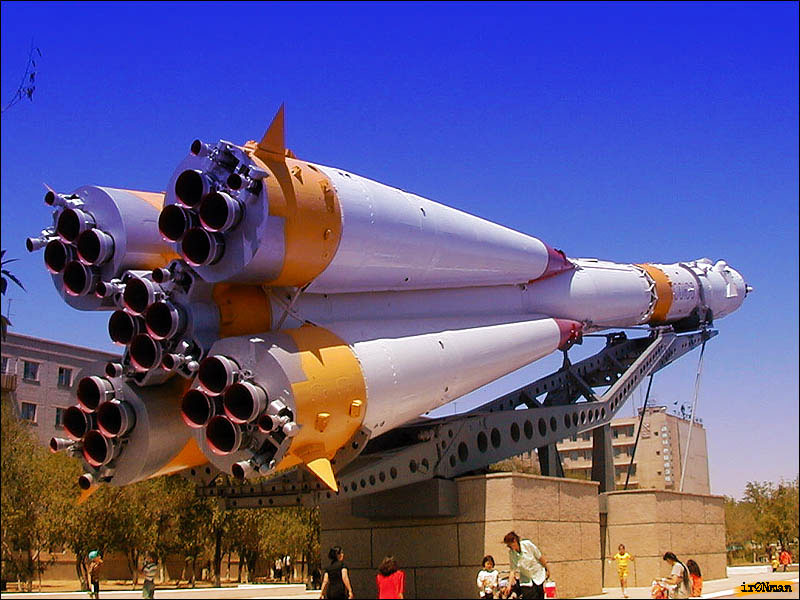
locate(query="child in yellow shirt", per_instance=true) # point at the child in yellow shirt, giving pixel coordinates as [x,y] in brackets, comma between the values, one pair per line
[622,558]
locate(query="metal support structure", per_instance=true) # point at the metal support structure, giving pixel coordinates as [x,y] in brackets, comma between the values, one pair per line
[550,461]
[639,430]
[449,447]
[603,458]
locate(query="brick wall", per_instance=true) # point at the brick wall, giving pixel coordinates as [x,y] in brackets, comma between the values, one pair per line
[651,522]
[441,556]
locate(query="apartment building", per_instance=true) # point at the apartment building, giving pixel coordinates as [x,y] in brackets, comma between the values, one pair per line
[37,378]
[659,455]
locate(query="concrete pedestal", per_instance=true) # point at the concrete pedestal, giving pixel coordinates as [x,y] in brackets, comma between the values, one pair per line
[441,555]
[652,522]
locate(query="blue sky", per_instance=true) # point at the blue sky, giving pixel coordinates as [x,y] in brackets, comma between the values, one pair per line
[629,132]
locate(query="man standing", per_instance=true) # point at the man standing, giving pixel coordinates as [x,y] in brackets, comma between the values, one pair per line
[149,569]
[529,568]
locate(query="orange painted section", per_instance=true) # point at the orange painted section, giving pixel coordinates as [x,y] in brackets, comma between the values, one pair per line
[190,456]
[243,309]
[305,197]
[154,199]
[333,382]
[663,292]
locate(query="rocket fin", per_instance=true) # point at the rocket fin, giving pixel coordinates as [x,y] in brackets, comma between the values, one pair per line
[85,495]
[274,140]
[321,467]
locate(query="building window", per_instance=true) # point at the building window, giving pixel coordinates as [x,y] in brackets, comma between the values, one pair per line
[28,412]
[30,371]
[615,433]
[64,377]
[6,365]
[59,417]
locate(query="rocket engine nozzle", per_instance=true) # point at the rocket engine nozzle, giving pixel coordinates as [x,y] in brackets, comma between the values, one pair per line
[76,422]
[58,444]
[86,481]
[99,450]
[174,221]
[219,212]
[191,186]
[244,401]
[216,374]
[92,391]
[200,247]
[164,320]
[79,279]
[72,222]
[95,247]
[139,294]
[197,409]
[57,254]
[223,435]
[115,418]
[145,352]
[122,327]
[32,244]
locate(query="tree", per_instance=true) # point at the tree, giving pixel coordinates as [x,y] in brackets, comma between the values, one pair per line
[776,510]
[4,285]
[27,86]
[35,496]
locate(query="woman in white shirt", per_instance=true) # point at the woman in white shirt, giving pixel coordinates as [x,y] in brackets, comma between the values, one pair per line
[488,578]
[678,580]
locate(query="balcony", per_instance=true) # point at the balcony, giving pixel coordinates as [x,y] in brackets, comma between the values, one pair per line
[8,382]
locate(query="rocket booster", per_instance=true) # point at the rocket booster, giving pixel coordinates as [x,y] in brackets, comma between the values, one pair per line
[304,307]
[126,433]
[299,395]
[97,234]
[253,214]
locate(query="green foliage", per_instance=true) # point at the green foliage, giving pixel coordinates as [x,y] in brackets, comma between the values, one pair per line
[776,510]
[768,514]
[163,515]
[35,495]
[518,464]
[4,262]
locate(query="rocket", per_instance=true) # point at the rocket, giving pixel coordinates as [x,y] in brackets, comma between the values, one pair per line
[273,311]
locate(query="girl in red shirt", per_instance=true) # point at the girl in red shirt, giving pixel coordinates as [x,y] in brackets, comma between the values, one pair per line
[391,580]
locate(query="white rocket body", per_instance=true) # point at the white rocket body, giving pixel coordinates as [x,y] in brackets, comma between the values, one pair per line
[311,305]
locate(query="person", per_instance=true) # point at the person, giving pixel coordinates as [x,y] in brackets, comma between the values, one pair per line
[622,557]
[287,568]
[335,582]
[149,570]
[278,569]
[774,560]
[678,581]
[697,578]
[391,580]
[94,574]
[786,558]
[316,578]
[528,567]
[488,578]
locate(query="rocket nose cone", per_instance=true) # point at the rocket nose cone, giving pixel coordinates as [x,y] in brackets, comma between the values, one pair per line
[571,331]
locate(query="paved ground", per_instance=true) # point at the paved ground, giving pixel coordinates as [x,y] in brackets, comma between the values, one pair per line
[720,588]
[243,591]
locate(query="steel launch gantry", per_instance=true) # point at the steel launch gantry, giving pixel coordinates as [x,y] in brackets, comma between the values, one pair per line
[535,416]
